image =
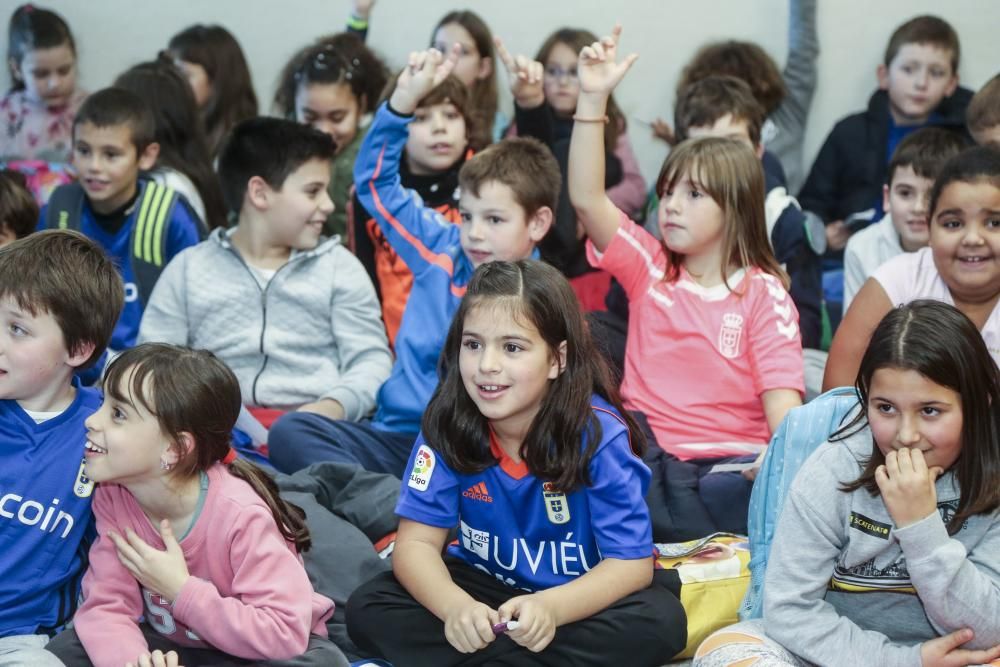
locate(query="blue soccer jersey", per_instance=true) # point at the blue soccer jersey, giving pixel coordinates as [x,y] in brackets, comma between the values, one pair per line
[44,513]
[522,530]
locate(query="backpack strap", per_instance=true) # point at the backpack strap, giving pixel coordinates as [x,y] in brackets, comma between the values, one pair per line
[148,242]
[65,207]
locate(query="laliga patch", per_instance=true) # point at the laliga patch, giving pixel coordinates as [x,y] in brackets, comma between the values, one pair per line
[556,507]
[870,526]
[83,486]
[423,468]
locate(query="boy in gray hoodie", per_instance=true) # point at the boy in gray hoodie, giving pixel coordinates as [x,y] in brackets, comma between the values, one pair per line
[294,314]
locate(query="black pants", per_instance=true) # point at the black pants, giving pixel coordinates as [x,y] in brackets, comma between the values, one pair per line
[648,627]
[320,653]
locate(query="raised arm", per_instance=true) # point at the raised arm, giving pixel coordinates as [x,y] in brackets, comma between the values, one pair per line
[599,72]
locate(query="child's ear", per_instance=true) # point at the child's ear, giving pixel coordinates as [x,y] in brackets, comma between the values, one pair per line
[759,150]
[6,235]
[179,449]
[885,197]
[485,68]
[953,86]
[882,74]
[77,357]
[558,364]
[259,193]
[539,223]
[147,160]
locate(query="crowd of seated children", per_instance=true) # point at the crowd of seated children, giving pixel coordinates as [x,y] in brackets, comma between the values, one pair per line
[545,93]
[904,228]
[290,311]
[60,296]
[371,285]
[917,86]
[508,192]
[960,265]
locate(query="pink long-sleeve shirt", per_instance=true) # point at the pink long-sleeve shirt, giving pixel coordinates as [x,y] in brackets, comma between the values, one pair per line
[248,594]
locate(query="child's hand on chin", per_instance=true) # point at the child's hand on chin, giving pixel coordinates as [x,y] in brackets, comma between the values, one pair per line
[469,627]
[423,71]
[536,622]
[163,572]
[907,486]
[156,659]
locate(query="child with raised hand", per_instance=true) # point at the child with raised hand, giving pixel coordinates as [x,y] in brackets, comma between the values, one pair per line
[476,68]
[214,64]
[961,265]
[190,537]
[713,358]
[183,162]
[888,540]
[333,85]
[526,448]
[36,115]
[508,192]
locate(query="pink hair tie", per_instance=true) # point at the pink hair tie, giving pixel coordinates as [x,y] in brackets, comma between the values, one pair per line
[229,457]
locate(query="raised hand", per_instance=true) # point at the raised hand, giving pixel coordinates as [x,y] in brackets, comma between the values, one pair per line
[525,76]
[599,69]
[423,71]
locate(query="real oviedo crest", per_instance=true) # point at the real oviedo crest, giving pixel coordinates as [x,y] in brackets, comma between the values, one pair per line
[556,507]
[729,335]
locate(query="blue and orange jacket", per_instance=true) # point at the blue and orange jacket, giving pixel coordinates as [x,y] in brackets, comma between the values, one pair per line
[429,245]
[391,276]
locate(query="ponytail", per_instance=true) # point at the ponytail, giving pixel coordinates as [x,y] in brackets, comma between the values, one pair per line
[291,518]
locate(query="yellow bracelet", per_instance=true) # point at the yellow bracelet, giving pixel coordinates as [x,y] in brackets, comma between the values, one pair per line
[581,119]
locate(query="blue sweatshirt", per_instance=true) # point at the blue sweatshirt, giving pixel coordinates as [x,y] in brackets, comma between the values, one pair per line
[431,248]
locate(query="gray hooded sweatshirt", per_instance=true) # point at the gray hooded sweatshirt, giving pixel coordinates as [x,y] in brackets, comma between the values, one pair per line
[313,331]
[845,587]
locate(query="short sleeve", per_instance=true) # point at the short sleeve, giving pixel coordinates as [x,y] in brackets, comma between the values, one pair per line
[634,257]
[899,276]
[430,492]
[616,498]
[775,343]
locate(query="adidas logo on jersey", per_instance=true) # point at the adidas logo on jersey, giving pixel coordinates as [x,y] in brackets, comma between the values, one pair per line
[478,492]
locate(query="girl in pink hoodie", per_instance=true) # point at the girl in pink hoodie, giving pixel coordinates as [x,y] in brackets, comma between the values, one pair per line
[190,538]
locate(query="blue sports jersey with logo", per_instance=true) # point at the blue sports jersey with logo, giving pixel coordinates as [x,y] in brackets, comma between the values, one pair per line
[44,513]
[520,528]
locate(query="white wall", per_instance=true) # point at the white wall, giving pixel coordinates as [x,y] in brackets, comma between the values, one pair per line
[113,34]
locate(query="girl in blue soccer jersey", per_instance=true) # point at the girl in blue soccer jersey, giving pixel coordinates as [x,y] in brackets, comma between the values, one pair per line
[525,449]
